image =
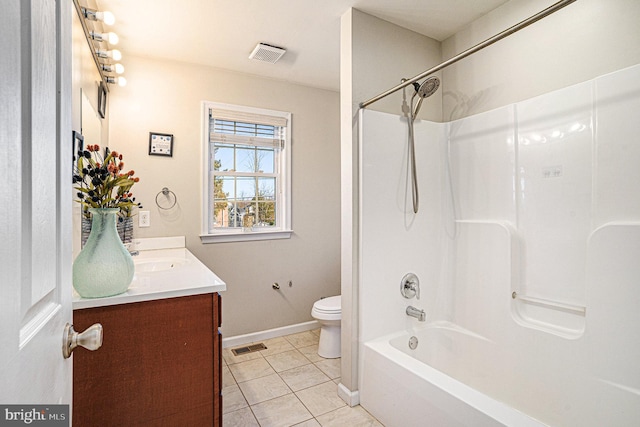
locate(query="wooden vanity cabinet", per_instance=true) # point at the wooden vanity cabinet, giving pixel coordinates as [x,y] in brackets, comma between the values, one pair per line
[159,364]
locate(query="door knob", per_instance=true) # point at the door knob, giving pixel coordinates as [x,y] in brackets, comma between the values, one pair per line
[91,339]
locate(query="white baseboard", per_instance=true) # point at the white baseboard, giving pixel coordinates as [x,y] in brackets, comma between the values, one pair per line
[352,398]
[269,333]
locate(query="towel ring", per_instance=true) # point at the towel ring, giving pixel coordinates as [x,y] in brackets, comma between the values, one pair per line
[168,194]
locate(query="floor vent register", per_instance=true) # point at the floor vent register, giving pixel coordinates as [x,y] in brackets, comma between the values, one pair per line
[248,349]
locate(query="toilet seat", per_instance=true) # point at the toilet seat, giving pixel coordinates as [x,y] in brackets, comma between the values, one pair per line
[327,309]
[330,305]
[321,315]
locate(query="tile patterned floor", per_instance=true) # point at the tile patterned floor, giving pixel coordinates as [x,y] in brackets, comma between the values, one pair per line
[287,384]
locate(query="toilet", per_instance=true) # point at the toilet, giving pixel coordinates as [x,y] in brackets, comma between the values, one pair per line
[328,312]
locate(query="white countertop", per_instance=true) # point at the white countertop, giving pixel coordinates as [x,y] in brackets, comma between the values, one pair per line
[180,274]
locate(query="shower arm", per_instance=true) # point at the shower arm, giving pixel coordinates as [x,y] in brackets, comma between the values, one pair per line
[519,26]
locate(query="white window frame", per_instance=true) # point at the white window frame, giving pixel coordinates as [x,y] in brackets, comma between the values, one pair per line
[283,209]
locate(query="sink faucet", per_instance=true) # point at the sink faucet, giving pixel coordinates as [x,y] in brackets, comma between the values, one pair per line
[418,314]
[130,248]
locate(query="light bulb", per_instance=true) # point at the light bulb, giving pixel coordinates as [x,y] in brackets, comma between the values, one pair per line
[106,17]
[112,38]
[116,55]
[93,15]
[121,81]
[113,68]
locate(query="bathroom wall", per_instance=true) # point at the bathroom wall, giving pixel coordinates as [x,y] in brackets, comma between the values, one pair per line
[394,240]
[382,54]
[163,96]
[584,40]
[374,56]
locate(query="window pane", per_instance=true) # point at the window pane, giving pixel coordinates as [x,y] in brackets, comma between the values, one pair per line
[228,186]
[266,215]
[266,131]
[248,129]
[220,201]
[235,218]
[246,160]
[223,158]
[265,161]
[266,188]
[245,188]
[224,126]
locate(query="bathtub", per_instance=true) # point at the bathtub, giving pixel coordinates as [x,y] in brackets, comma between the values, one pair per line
[416,387]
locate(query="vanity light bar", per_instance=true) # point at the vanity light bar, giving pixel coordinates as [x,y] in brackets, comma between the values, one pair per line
[99,52]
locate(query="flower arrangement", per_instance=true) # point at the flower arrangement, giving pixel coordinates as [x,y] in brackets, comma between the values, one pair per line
[102,184]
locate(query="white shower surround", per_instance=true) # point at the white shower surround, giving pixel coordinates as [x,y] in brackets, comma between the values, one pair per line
[547,204]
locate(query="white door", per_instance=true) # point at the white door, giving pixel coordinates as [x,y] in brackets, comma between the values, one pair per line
[35,200]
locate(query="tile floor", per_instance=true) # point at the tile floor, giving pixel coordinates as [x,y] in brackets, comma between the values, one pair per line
[287,384]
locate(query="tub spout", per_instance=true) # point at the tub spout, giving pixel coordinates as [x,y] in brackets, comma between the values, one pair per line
[418,314]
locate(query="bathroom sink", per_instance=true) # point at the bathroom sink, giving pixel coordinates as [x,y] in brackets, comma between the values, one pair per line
[151,265]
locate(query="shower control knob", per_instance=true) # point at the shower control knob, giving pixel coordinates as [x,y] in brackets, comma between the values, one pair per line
[410,286]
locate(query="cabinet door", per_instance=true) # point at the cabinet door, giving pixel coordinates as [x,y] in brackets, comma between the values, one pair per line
[155,367]
[217,351]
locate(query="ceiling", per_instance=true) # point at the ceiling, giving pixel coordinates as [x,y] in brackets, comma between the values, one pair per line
[222,33]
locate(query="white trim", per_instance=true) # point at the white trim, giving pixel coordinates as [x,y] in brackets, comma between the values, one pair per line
[269,333]
[352,398]
[245,237]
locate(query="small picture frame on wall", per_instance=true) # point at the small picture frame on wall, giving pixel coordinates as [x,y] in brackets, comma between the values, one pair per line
[102,100]
[160,144]
[78,145]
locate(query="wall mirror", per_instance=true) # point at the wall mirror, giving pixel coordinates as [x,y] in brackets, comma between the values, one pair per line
[91,124]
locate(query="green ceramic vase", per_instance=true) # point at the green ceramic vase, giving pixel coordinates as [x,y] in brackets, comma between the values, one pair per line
[103,267]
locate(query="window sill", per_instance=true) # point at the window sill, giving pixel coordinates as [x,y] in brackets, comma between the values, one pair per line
[245,237]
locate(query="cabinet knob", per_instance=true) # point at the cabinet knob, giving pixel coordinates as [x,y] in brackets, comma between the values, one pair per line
[91,339]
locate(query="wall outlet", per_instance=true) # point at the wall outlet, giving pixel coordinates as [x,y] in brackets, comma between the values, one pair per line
[144,219]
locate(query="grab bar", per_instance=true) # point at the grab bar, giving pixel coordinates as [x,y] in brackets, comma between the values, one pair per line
[549,303]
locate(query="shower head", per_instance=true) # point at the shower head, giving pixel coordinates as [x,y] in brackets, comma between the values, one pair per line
[426,89]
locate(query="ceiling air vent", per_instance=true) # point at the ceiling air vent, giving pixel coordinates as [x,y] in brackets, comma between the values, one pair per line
[267,53]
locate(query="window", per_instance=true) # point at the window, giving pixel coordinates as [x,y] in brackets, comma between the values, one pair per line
[247,180]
